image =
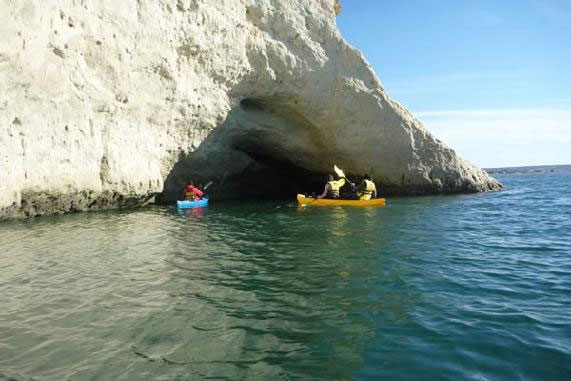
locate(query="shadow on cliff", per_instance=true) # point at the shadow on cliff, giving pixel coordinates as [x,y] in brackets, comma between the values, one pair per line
[260,151]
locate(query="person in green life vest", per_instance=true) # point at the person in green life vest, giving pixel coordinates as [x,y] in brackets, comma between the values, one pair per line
[367,189]
[332,187]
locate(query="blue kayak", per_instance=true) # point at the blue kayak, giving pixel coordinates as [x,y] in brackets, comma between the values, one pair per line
[192,204]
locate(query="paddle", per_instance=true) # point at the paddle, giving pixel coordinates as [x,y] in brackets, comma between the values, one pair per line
[205,188]
[311,202]
[339,171]
[341,174]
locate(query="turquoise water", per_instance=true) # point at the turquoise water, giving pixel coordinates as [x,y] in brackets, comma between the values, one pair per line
[471,287]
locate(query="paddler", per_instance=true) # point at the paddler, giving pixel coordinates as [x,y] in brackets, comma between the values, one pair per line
[332,187]
[192,193]
[367,189]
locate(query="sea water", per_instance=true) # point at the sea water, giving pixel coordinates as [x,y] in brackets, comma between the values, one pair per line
[470,287]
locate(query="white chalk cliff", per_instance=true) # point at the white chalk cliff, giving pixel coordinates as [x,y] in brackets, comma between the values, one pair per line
[110,103]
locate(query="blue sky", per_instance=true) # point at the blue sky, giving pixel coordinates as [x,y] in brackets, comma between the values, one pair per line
[490,78]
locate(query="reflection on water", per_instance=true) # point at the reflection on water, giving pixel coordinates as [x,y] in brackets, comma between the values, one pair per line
[292,292]
[195,213]
[443,287]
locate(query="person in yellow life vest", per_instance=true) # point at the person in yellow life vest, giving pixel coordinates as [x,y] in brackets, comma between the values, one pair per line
[332,187]
[367,189]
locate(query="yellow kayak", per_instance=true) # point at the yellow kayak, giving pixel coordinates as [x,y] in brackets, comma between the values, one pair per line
[304,200]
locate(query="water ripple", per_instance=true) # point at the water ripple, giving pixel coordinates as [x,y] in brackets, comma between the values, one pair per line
[460,287]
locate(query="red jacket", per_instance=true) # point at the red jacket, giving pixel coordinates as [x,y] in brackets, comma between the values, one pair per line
[192,192]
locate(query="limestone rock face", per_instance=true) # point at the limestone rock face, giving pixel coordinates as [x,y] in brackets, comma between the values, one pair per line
[109,103]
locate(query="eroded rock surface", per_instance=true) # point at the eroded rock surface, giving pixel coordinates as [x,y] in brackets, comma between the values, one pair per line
[109,103]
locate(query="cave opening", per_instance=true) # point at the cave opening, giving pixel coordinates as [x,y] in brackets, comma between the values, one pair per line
[265,149]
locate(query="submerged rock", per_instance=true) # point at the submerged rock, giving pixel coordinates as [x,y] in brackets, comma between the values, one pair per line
[106,104]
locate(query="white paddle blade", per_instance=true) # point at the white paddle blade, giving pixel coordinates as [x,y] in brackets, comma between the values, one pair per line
[339,171]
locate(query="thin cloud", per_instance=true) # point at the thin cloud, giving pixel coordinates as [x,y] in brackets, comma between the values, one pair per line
[442,83]
[559,10]
[505,137]
[495,114]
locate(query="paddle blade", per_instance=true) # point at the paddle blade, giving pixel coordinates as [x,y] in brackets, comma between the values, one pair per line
[339,171]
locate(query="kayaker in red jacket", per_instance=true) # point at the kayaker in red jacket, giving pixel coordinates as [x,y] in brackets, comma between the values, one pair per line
[192,193]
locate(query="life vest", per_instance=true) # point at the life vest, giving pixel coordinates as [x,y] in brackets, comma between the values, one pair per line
[192,193]
[334,187]
[189,195]
[366,193]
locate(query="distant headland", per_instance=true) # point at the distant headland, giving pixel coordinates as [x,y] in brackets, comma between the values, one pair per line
[529,169]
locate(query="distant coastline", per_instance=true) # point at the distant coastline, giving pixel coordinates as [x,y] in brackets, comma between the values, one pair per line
[529,169]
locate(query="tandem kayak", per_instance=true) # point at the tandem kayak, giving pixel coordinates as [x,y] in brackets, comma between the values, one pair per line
[192,204]
[304,200]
